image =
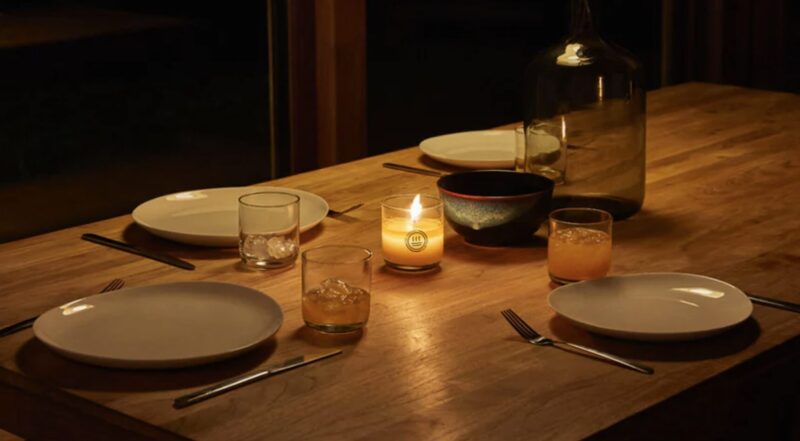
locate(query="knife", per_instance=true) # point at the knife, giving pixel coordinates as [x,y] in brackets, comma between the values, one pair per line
[407,168]
[233,383]
[780,304]
[164,258]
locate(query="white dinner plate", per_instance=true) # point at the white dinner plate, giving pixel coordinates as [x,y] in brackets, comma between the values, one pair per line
[161,326]
[653,306]
[210,217]
[480,149]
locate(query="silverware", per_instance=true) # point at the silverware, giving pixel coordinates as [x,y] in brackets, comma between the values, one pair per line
[334,213]
[780,304]
[236,382]
[27,323]
[164,258]
[534,337]
[407,168]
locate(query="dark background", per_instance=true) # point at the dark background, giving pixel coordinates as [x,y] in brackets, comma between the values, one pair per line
[106,104]
[446,66]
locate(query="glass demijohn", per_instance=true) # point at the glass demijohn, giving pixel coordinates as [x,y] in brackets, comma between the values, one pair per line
[585,120]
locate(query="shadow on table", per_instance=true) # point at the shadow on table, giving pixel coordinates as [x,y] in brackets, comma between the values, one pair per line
[240,267]
[438,166]
[316,231]
[533,250]
[347,218]
[727,343]
[328,340]
[39,362]
[643,224]
[136,235]
[419,275]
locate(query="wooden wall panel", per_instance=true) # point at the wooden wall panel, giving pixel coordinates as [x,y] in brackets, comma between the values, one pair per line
[302,85]
[743,42]
[327,76]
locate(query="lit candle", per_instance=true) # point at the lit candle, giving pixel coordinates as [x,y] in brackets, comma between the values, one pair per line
[412,235]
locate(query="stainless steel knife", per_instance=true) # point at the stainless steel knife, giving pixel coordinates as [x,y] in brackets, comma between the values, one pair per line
[410,169]
[161,257]
[233,383]
[780,304]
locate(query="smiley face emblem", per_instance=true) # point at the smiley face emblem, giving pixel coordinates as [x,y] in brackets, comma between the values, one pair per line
[416,241]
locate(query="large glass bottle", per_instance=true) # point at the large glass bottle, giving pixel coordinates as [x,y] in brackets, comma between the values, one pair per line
[585,120]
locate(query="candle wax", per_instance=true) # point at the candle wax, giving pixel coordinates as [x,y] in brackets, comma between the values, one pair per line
[403,245]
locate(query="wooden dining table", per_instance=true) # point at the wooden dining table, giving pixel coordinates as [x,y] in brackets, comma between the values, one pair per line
[436,359]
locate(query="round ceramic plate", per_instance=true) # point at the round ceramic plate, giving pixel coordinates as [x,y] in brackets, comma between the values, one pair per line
[653,306]
[480,149]
[161,326]
[210,217]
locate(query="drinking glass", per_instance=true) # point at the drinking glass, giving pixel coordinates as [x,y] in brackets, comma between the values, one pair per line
[545,151]
[269,233]
[579,244]
[336,287]
[519,140]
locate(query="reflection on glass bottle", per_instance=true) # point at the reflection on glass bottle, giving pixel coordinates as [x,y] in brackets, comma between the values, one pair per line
[585,120]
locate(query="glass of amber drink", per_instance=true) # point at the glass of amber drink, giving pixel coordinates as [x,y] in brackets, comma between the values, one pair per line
[579,244]
[336,287]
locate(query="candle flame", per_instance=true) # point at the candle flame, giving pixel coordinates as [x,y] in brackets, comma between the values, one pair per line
[416,209]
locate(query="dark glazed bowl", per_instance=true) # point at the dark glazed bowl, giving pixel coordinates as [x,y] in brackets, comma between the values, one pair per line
[495,207]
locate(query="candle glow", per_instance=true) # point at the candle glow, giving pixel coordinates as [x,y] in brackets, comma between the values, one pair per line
[412,235]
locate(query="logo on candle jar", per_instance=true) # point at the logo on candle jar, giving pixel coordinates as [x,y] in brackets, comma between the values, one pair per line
[416,240]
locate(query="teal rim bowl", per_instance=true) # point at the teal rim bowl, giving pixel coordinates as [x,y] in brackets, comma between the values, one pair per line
[495,207]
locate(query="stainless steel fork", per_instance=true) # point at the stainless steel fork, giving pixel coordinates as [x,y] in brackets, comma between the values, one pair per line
[27,323]
[534,337]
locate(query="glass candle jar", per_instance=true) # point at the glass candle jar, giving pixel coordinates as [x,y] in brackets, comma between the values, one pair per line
[412,232]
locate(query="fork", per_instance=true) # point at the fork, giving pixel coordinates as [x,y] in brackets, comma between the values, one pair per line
[27,323]
[534,337]
[335,213]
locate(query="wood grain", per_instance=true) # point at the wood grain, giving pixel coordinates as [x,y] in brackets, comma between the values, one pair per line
[437,361]
[327,81]
[341,80]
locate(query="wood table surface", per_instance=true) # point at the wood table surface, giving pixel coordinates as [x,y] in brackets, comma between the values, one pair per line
[437,361]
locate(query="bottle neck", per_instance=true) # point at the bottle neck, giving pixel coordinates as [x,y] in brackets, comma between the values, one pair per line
[582,24]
